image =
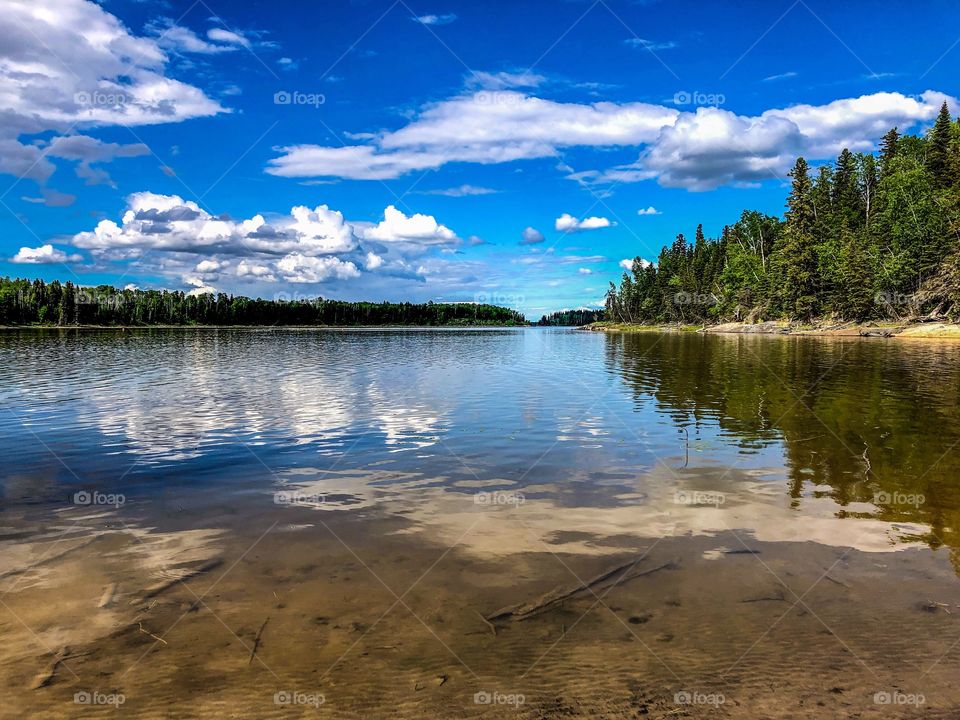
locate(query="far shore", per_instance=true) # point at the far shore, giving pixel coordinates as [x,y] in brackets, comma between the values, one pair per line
[256,327]
[938,330]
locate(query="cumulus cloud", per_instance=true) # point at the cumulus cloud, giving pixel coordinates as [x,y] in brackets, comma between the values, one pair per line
[649,211]
[169,236]
[715,147]
[44,255]
[531,236]
[297,268]
[397,227]
[568,223]
[627,263]
[114,78]
[696,150]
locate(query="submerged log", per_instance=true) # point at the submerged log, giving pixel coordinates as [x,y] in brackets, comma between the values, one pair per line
[607,579]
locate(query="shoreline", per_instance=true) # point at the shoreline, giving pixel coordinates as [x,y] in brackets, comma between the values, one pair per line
[915,330]
[124,328]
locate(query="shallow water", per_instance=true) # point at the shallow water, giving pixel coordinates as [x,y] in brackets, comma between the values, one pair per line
[781,510]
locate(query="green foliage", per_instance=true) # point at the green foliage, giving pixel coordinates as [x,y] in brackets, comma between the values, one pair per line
[870,237]
[572,318]
[23,302]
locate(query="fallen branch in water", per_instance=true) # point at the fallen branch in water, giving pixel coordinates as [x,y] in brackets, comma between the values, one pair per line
[147,632]
[45,676]
[841,583]
[256,641]
[765,598]
[527,610]
[493,628]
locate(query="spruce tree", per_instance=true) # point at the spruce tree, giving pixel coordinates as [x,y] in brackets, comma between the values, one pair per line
[889,148]
[938,150]
[797,259]
[854,299]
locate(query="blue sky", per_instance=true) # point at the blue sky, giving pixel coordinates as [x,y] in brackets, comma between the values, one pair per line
[513,152]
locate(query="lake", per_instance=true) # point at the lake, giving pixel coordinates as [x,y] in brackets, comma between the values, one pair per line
[534,523]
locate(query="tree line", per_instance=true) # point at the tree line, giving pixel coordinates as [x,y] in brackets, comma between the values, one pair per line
[35,302]
[870,236]
[576,318]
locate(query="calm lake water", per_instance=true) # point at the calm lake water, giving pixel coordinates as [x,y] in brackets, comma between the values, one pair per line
[378,496]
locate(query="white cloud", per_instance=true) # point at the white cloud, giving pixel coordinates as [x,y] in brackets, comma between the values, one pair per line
[649,211]
[694,150]
[781,76]
[397,227]
[715,147]
[168,222]
[70,63]
[504,80]
[228,36]
[627,263]
[178,39]
[51,198]
[43,255]
[462,191]
[531,236]
[568,223]
[88,150]
[484,127]
[297,268]
[435,19]
[585,271]
[651,45]
[165,235]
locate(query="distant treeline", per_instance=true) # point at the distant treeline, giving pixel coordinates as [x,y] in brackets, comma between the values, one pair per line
[867,237]
[34,302]
[575,318]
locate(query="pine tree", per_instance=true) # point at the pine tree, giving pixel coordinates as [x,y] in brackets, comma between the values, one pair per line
[889,148]
[797,259]
[847,202]
[854,299]
[938,150]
